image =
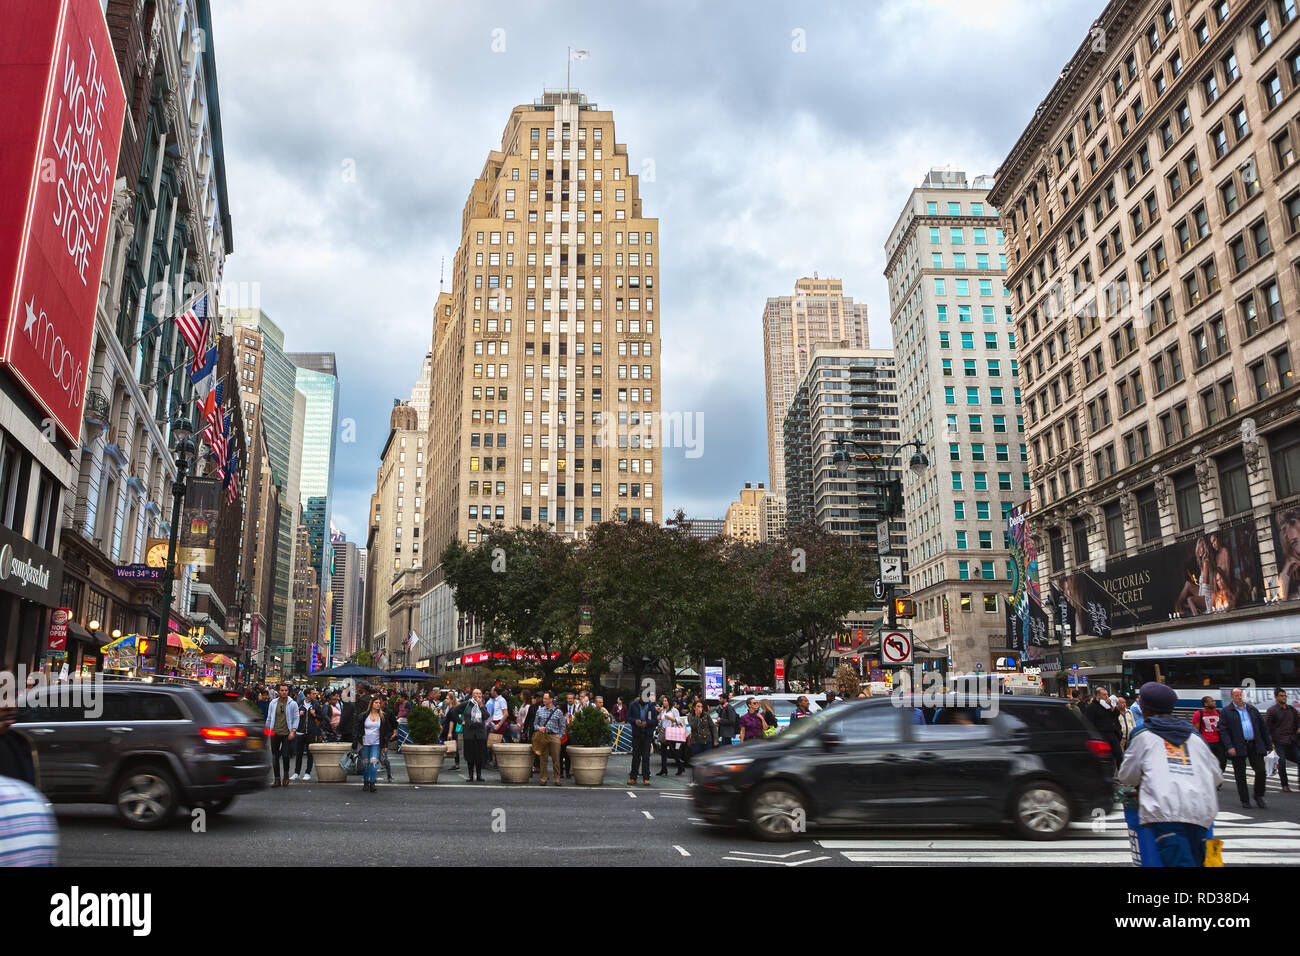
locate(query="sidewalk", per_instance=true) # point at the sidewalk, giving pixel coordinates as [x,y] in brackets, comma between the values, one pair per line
[615,776]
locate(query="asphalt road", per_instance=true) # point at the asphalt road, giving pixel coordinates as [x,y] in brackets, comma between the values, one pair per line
[458,822]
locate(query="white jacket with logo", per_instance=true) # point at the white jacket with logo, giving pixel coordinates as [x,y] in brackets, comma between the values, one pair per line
[1176,784]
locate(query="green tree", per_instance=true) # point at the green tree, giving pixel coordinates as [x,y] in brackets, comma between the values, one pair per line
[803,595]
[524,584]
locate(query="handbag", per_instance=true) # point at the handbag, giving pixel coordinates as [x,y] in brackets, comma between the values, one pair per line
[539,742]
[675,733]
[770,731]
[349,761]
[1270,763]
[1213,852]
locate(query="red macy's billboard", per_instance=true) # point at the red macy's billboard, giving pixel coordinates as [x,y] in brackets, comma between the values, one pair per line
[60,129]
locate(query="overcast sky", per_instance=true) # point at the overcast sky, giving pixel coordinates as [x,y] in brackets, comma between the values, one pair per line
[352,138]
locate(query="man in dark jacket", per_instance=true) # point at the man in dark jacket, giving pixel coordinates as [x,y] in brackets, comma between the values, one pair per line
[643,715]
[1103,715]
[1283,722]
[728,720]
[1244,731]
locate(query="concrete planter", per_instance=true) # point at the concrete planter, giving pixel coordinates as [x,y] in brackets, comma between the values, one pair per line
[327,758]
[514,762]
[423,762]
[589,765]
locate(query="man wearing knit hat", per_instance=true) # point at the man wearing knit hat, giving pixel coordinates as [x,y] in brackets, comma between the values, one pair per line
[1177,778]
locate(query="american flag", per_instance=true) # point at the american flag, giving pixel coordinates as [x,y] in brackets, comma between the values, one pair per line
[193,323]
[219,441]
[232,478]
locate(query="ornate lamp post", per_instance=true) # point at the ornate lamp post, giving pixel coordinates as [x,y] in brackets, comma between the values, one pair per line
[182,432]
[891,506]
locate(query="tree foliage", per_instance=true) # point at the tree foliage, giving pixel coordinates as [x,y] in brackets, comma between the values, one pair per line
[660,598]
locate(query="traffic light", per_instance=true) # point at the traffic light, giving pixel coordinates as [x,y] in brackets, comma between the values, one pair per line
[904,607]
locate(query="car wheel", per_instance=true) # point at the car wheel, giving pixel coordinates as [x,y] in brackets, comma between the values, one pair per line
[146,797]
[777,812]
[1041,811]
[214,806]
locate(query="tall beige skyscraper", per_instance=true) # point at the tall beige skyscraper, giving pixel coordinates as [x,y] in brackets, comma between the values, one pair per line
[819,311]
[545,378]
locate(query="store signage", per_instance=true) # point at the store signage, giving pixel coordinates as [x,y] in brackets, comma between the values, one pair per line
[58,636]
[60,131]
[713,682]
[28,571]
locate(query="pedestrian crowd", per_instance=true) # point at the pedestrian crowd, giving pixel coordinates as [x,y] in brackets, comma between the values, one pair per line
[680,726]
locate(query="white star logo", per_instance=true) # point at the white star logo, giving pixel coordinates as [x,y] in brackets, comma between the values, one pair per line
[31,318]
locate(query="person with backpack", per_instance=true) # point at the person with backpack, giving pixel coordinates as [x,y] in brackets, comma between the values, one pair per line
[1175,776]
[1206,721]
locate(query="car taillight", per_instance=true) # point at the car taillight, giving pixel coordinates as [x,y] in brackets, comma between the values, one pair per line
[1099,747]
[268,732]
[222,733]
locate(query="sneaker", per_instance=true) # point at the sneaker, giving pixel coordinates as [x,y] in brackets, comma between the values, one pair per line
[306,776]
[293,777]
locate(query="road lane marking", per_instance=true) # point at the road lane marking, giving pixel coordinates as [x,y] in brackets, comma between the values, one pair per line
[775,856]
[631,794]
[647,814]
[680,850]
[748,859]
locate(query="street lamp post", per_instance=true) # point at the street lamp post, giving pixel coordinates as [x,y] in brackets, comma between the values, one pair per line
[184,445]
[244,653]
[918,463]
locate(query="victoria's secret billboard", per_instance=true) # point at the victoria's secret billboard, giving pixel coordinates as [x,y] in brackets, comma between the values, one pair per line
[60,129]
[1214,571]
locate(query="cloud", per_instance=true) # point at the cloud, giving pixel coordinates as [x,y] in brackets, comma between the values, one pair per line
[352,136]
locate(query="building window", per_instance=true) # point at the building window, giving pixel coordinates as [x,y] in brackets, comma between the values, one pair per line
[1232,483]
[1114,527]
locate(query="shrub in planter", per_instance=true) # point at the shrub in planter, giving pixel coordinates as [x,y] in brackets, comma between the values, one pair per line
[590,737]
[423,753]
[423,725]
[589,728]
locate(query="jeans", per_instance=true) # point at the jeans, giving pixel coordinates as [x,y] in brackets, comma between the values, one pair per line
[1256,759]
[300,743]
[1286,752]
[1180,844]
[370,762]
[641,756]
[281,751]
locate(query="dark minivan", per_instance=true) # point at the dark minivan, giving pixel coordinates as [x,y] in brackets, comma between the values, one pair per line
[145,748]
[1033,761]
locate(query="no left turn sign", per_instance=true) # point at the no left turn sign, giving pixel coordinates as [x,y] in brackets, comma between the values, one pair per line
[896,647]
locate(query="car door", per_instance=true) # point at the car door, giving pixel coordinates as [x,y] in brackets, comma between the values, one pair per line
[959,765]
[41,721]
[856,769]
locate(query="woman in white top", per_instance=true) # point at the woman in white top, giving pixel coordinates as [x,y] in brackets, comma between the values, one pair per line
[669,717]
[377,728]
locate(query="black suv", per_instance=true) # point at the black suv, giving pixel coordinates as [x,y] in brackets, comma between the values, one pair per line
[150,749]
[1033,761]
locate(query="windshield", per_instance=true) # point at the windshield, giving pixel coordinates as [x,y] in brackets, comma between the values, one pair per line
[809,725]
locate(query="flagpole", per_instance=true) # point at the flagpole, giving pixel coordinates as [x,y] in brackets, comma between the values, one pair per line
[163,321]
